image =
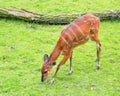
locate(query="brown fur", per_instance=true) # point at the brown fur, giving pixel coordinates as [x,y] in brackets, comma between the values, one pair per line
[78,32]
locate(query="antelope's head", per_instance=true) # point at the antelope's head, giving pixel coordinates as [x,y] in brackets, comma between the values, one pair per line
[46,67]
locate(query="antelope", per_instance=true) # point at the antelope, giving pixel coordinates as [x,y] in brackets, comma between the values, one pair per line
[76,33]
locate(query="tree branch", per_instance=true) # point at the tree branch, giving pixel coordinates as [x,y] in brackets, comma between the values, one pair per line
[30,16]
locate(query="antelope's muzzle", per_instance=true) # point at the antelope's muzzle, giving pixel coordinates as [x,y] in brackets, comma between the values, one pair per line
[43,78]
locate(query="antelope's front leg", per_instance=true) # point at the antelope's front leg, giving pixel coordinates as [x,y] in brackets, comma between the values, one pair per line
[71,71]
[58,67]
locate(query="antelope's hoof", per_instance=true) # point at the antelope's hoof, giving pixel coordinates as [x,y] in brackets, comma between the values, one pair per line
[70,73]
[98,68]
[52,81]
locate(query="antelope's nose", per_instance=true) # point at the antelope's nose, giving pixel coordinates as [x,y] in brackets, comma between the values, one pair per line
[42,79]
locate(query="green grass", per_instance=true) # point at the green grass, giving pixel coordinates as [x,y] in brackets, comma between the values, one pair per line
[22,46]
[62,6]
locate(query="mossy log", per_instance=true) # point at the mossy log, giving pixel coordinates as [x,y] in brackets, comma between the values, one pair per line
[29,16]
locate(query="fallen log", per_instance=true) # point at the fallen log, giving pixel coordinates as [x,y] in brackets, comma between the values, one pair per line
[30,16]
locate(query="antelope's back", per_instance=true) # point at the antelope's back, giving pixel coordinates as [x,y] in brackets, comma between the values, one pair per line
[79,30]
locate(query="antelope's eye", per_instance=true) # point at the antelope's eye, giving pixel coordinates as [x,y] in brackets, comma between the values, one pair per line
[45,72]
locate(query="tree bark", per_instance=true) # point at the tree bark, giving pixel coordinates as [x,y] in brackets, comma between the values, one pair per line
[29,16]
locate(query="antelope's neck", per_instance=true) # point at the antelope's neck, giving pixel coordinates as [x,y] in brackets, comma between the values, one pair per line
[55,53]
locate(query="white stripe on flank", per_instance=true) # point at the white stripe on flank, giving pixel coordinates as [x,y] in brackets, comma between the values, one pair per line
[73,33]
[68,35]
[65,40]
[78,27]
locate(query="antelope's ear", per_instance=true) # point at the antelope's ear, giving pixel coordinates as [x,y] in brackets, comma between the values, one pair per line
[54,63]
[46,57]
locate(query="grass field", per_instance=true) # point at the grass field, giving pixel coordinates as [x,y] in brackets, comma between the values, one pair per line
[22,46]
[62,6]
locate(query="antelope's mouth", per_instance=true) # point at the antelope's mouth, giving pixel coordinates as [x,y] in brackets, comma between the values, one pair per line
[43,79]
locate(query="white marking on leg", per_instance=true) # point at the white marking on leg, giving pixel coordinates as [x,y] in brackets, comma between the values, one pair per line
[98,66]
[99,63]
[52,81]
[70,72]
[78,27]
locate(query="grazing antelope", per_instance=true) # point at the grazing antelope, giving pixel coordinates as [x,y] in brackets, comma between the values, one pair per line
[78,32]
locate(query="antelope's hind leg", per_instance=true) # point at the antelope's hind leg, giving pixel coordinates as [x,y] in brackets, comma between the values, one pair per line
[95,38]
[98,53]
